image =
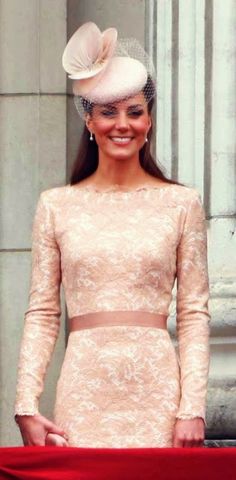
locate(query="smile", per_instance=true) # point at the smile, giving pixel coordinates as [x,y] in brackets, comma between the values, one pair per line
[121,140]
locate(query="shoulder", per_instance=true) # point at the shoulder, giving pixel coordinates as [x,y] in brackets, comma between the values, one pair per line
[182,194]
[189,202]
[55,196]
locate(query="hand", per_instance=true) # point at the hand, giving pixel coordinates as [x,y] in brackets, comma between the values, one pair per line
[189,433]
[53,439]
[36,430]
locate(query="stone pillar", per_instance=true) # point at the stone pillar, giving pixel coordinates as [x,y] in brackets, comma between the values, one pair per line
[193,44]
[33,158]
[222,214]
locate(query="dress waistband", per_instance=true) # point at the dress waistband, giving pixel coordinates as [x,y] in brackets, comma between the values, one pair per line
[118,317]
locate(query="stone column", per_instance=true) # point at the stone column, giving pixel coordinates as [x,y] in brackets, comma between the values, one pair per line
[33,158]
[221,198]
[193,44]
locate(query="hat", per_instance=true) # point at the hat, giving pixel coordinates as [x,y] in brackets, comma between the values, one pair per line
[103,69]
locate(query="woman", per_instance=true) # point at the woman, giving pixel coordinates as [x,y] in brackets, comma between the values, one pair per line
[117,238]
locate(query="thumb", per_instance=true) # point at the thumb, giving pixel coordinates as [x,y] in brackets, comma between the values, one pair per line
[52,428]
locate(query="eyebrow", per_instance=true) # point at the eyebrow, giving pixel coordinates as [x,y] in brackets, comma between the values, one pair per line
[130,107]
[108,105]
[136,106]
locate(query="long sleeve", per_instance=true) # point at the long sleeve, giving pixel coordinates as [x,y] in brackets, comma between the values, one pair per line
[193,316]
[42,318]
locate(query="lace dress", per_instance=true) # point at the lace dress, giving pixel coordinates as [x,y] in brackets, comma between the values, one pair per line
[114,250]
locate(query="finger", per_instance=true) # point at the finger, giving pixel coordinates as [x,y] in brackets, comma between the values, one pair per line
[55,440]
[59,433]
[193,442]
[52,428]
[177,442]
[188,444]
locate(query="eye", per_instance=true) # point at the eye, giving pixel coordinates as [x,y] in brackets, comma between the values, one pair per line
[108,113]
[136,113]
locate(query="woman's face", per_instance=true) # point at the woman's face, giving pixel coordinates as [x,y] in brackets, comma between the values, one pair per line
[120,128]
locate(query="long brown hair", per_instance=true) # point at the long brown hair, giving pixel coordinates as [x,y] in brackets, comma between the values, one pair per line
[87,157]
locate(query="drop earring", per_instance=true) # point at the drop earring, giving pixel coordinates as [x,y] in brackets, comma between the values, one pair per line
[91,136]
[146,140]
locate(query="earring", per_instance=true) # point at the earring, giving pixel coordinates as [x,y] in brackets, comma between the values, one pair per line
[91,136]
[146,139]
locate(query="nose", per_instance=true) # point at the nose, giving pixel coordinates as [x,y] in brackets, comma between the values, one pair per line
[122,121]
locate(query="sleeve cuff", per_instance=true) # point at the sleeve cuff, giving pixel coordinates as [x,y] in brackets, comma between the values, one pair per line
[191,416]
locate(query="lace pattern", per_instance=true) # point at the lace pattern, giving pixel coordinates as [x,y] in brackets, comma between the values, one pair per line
[118,250]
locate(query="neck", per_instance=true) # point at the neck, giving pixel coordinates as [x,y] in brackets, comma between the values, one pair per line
[124,172]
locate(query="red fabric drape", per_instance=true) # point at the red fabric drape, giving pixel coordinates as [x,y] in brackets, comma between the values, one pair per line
[58,463]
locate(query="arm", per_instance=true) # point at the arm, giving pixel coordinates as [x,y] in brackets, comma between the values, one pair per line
[41,327]
[192,312]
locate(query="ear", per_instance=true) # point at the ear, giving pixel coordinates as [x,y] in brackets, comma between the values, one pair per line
[88,121]
[149,122]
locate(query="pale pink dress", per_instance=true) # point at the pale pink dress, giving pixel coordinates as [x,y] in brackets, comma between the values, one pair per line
[114,250]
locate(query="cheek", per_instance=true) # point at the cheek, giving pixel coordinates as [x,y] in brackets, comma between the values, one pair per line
[101,128]
[141,126]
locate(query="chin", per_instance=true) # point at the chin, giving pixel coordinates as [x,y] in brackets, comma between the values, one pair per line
[120,156]
[122,153]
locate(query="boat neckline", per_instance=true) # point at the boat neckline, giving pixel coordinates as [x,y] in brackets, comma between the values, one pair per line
[115,188]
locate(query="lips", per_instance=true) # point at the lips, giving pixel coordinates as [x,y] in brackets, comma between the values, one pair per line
[121,140]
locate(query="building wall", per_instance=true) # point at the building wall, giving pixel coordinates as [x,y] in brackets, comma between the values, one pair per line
[193,47]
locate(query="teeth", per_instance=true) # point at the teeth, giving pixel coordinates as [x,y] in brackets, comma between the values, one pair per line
[121,139]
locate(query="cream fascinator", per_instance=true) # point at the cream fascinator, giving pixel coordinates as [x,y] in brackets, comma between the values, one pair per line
[104,69]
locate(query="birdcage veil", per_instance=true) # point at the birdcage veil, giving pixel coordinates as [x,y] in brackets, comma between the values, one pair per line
[105,69]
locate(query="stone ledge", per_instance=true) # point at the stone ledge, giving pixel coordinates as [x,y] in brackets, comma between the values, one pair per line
[220,443]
